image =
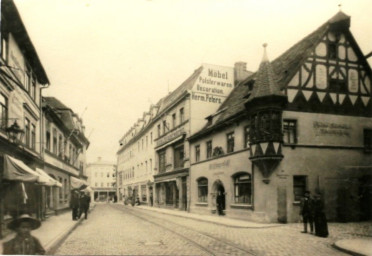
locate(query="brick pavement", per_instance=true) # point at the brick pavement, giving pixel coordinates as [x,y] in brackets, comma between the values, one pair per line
[111,231]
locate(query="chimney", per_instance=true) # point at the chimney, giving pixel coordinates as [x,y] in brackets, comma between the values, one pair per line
[240,71]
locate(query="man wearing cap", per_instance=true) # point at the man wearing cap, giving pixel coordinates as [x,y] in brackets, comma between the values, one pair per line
[24,243]
[307,211]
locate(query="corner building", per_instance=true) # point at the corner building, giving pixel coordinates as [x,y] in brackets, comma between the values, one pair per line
[171,121]
[301,122]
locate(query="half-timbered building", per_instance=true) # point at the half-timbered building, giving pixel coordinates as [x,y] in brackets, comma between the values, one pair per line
[301,122]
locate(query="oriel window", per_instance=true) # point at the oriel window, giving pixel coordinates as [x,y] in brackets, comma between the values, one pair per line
[290,131]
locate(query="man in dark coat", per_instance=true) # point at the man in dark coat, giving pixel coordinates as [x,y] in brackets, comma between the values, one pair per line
[320,220]
[307,211]
[220,203]
[74,204]
[84,205]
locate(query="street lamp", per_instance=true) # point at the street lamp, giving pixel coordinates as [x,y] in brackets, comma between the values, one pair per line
[15,133]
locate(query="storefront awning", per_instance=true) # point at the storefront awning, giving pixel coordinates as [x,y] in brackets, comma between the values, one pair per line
[78,183]
[15,169]
[46,180]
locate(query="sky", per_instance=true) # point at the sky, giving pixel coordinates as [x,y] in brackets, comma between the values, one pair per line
[109,60]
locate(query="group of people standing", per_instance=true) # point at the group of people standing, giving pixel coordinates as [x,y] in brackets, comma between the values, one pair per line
[312,211]
[80,202]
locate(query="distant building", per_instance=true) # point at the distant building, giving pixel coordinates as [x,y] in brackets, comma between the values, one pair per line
[102,179]
[301,122]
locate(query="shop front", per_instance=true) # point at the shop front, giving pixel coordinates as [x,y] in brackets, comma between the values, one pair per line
[171,189]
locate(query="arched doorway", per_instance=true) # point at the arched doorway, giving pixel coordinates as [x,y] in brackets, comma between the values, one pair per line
[219,196]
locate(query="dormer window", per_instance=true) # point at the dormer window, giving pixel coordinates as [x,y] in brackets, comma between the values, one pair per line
[332,51]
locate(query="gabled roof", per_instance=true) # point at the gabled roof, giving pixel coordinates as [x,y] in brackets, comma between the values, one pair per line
[284,67]
[65,114]
[184,87]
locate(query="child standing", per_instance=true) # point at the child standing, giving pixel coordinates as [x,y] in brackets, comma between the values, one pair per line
[24,243]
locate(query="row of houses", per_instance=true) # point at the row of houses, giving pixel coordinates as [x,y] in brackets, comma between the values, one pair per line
[42,141]
[300,122]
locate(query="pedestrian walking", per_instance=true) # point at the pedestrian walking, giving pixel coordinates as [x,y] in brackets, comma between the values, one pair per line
[320,220]
[24,243]
[84,205]
[74,204]
[220,203]
[307,212]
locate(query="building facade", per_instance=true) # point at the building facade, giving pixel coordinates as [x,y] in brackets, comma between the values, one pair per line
[173,119]
[102,179]
[301,122]
[64,151]
[22,77]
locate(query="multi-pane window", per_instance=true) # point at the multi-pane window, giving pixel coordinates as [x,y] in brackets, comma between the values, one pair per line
[28,78]
[4,48]
[60,189]
[290,131]
[33,136]
[209,149]
[367,134]
[3,112]
[150,165]
[33,87]
[27,132]
[197,153]
[182,116]
[230,142]
[178,156]
[164,126]
[159,130]
[47,139]
[55,141]
[151,138]
[161,161]
[66,189]
[60,149]
[299,187]
[203,190]
[174,120]
[243,189]
[246,137]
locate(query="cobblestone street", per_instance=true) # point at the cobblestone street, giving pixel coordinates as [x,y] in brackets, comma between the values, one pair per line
[117,229]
